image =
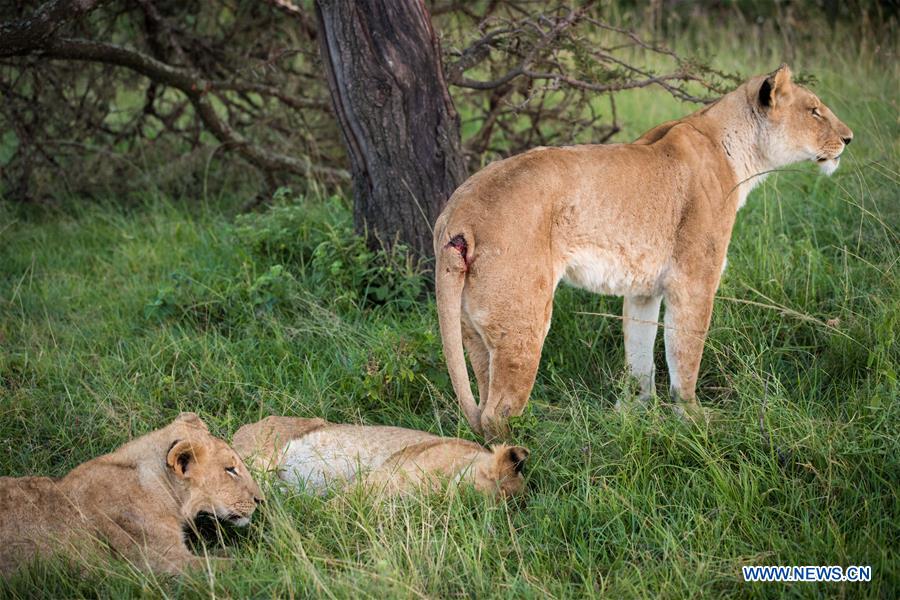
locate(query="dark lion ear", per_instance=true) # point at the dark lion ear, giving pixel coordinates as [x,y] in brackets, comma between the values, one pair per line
[517,455]
[182,457]
[775,86]
[765,93]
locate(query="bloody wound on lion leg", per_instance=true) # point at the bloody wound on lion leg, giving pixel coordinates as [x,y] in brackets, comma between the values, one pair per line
[458,243]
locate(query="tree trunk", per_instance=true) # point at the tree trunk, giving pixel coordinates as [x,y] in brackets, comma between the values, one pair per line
[383,64]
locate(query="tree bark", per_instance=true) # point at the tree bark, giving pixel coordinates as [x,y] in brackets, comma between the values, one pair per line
[400,128]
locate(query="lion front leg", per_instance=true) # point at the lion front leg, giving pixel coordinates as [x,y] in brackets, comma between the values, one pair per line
[158,546]
[641,314]
[687,317]
[174,557]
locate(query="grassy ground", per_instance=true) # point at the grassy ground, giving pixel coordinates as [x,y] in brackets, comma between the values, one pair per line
[113,320]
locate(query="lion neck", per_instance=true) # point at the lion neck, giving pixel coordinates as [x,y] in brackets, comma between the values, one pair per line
[147,455]
[741,132]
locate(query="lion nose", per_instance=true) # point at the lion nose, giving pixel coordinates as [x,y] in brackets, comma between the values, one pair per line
[847,140]
[258,500]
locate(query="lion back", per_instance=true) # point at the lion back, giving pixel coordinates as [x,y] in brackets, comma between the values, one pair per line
[31,509]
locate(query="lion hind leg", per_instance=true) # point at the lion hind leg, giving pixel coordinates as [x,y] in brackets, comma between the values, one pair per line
[513,372]
[479,357]
[515,355]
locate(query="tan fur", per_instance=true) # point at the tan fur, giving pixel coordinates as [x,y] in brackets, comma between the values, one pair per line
[136,500]
[262,444]
[648,221]
[315,454]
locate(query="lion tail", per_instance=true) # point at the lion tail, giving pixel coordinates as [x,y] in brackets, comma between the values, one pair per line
[452,260]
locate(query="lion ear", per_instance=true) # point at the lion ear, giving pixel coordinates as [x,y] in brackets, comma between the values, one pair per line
[511,458]
[191,419]
[775,87]
[783,75]
[182,457]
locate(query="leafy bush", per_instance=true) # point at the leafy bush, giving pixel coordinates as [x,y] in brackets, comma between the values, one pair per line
[291,229]
[273,287]
[316,239]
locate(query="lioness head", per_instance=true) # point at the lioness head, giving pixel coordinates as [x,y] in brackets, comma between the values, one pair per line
[799,126]
[210,475]
[500,472]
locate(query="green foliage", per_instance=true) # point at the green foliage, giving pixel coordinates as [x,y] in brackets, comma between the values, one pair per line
[319,241]
[290,230]
[273,287]
[162,305]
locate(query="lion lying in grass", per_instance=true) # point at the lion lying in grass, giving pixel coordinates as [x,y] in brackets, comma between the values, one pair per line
[392,460]
[137,500]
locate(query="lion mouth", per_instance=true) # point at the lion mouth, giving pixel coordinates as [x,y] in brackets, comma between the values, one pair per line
[238,519]
[828,165]
[824,159]
[232,517]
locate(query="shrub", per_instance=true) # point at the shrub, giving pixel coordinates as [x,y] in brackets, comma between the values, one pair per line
[316,240]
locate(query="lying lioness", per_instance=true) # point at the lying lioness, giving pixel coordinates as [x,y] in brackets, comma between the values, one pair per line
[647,221]
[316,455]
[137,500]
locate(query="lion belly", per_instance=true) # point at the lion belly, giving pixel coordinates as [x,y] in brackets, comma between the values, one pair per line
[615,273]
[337,454]
[309,463]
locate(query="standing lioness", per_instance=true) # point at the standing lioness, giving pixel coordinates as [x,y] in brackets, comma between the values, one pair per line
[647,221]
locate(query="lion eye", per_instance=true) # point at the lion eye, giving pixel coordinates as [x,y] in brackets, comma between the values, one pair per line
[231,471]
[815,112]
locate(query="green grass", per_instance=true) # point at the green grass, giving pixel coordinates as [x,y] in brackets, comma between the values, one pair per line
[112,320]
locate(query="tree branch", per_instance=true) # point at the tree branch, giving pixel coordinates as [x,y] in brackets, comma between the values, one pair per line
[550,30]
[31,33]
[289,8]
[197,89]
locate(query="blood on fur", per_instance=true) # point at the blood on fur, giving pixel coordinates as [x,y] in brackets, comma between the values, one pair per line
[458,243]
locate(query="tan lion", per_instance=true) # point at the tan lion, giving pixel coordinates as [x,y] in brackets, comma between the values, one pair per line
[137,500]
[318,455]
[648,221]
